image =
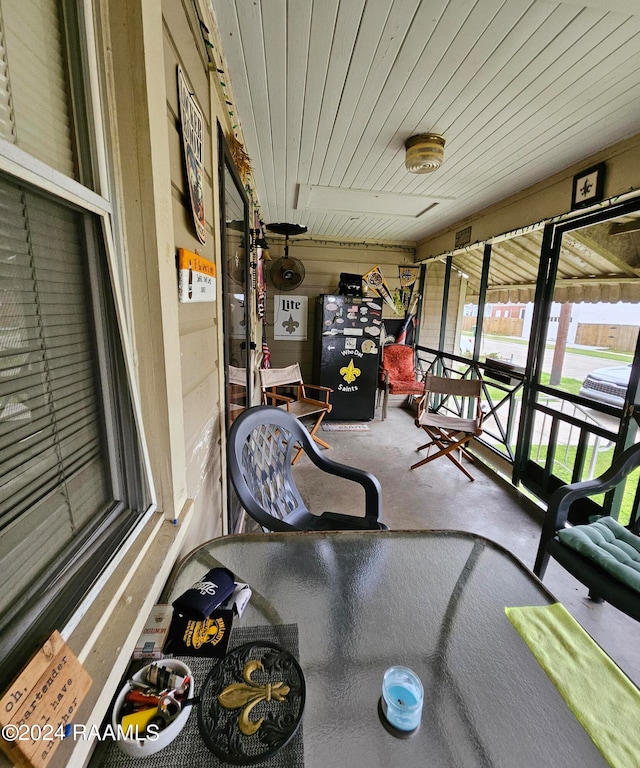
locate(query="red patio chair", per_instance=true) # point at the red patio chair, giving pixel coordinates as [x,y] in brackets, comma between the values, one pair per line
[398,375]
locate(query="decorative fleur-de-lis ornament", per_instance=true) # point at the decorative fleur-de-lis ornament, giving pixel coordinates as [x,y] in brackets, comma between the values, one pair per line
[350,373]
[290,325]
[248,694]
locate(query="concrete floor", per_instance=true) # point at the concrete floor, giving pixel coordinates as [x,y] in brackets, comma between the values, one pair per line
[438,495]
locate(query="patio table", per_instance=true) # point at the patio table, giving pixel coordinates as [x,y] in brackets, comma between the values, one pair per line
[433,601]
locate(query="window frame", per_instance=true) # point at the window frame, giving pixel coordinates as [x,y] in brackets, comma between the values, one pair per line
[108,540]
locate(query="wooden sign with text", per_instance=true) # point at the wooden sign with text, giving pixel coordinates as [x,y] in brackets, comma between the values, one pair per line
[41,702]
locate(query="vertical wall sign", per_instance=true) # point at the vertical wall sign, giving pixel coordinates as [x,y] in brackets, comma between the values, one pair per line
[196,277]
[261,293]
[192,126]
[290,317]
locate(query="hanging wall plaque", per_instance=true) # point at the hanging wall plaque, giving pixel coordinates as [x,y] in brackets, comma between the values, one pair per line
[290,317]
[192,127]
[196,277]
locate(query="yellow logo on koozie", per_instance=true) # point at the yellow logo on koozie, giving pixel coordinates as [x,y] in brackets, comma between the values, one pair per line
[210,631]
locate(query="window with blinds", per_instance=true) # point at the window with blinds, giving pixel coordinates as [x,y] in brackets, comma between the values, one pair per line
[55,474]
[34,104]
[72,481]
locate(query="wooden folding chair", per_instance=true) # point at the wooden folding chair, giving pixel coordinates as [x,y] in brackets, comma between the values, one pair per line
[450,412]
[237,378]
[296,401]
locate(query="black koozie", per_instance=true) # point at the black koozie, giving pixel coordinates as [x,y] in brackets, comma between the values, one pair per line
[201,600]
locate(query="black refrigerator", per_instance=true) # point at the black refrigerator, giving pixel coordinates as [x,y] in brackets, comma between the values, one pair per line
[346,353]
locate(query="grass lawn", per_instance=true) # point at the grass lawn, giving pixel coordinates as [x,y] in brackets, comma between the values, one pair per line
[563,468]
[607,354]
[566,385]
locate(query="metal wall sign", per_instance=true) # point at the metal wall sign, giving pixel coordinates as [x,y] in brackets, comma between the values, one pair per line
[290,317]
[196,277]
[192,127]
[463,237]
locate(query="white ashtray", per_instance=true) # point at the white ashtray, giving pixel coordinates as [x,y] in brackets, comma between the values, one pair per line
[141,747]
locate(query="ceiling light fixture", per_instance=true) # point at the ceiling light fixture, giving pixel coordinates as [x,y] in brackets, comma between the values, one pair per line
[424,152]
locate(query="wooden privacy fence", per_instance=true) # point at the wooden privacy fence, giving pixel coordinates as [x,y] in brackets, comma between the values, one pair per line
[622,338]
[498,326]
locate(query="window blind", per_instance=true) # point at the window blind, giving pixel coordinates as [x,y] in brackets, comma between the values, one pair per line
[54,469]
[34,105]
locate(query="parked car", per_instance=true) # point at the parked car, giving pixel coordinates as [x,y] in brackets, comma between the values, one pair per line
[607,385]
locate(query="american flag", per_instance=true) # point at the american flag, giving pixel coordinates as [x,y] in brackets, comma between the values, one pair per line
[266,355]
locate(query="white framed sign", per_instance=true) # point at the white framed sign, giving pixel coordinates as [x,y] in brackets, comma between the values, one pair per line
[290,317]
[196,277]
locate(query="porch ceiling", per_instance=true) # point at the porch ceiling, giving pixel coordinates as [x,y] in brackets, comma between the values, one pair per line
[327,91]
[601,263]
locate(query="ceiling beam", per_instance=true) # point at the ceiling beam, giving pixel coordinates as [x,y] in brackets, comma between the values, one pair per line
[622,229]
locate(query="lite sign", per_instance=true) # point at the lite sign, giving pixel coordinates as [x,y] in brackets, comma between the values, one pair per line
[290,317]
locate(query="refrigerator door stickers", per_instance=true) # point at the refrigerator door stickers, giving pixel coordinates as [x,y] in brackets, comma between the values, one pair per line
[346,354]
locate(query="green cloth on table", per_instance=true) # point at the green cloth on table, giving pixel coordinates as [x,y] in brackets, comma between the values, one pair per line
[600,695]
[608,544]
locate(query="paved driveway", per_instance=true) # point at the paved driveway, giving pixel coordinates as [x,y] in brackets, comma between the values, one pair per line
[576,366]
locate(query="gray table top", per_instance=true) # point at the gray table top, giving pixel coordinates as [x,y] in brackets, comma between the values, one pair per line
[430,600]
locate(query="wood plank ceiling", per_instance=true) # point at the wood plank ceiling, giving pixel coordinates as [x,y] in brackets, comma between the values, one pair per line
[599,263]
[327,91]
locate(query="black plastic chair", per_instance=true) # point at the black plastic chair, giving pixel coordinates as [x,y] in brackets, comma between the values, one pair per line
[601,584]
[261,442]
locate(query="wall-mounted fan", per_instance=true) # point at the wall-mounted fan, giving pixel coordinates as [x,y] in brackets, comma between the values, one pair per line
[286,272]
